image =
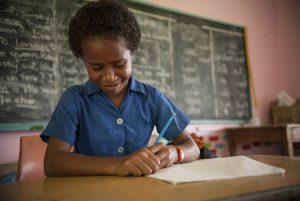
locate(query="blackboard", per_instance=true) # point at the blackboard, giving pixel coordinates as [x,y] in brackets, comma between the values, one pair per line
[36,63]
[200,64]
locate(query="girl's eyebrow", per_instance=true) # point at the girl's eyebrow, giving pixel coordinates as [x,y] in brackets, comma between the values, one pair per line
[99,63]
[94,63]
[118,60]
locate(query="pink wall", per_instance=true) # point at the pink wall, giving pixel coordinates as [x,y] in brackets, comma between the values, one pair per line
[274,46]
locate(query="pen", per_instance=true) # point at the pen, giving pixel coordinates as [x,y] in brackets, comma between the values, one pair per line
[165,128]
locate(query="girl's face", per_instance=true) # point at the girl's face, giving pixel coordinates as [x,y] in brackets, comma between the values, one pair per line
[109,64]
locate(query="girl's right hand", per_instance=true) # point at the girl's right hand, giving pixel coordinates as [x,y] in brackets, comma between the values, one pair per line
[142,162]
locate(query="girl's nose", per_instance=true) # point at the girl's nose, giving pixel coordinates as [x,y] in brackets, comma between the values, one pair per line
[109,74]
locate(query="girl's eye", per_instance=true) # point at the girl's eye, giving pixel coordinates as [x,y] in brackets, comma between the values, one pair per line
[119,65]
[97,66]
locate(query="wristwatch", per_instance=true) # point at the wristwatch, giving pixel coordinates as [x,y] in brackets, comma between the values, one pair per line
[180,154]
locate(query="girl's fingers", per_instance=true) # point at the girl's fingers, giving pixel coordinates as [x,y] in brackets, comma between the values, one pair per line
[154,158]
[156,148]
[143,162]
[166,155]
[151,160]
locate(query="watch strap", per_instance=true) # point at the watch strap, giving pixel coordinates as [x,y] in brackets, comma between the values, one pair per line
[180,154]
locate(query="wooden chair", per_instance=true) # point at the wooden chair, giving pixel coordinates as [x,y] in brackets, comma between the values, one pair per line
[31,158]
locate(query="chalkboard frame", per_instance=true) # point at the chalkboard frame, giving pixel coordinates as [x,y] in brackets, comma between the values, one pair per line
[153,8]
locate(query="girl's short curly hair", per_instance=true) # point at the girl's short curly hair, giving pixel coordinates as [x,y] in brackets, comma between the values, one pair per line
[103,18]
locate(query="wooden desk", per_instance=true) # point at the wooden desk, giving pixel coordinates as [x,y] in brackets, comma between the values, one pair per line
[284,135]
[145,188]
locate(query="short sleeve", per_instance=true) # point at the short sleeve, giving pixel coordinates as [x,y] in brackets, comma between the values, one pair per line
[165,109]
[63,123]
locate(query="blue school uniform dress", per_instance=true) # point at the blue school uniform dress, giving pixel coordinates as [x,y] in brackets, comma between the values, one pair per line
[88,120]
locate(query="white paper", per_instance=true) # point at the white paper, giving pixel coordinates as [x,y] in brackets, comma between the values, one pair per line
[215,169]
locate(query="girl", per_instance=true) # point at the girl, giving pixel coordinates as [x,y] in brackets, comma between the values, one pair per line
[110,118]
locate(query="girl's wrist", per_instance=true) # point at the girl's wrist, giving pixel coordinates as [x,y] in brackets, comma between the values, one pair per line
[174,153]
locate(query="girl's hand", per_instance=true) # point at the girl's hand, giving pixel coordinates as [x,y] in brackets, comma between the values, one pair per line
[142,162]
[167,154]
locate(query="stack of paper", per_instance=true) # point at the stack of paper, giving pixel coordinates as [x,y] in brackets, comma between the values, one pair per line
[285,100]
[215,169]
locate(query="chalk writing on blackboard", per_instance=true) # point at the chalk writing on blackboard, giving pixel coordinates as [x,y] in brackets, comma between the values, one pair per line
[36,65]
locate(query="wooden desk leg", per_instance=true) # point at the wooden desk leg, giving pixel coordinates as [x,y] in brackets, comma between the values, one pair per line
[233,148]
[232,145]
